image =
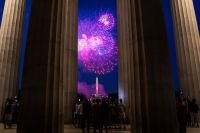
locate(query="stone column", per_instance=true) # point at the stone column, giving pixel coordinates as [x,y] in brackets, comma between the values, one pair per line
[144,66]
[159,92]
[187,46]
[10,45]
[41,106]
[129,67]
[71,61]
[125,48]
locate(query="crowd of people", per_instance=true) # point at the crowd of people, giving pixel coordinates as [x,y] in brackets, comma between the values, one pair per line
[10,112]
[101,114]
[187,110]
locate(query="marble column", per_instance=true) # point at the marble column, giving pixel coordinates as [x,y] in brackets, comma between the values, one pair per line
[187,46]
[41,107]
[144,67]
[71,61]
[10,45]
[124,44]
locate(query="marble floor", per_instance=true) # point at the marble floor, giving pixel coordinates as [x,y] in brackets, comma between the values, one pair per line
[71,129]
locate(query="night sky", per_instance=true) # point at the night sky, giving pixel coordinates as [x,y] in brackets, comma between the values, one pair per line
[87,7]
[24,38]
[91,10]
[197,10]
[2,2]
[170,32]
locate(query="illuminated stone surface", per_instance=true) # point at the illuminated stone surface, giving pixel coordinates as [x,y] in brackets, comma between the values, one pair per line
[187,46]
[70,59]
[10,45]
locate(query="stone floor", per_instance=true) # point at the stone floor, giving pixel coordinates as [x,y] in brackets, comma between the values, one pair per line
[71,129]
[67,129]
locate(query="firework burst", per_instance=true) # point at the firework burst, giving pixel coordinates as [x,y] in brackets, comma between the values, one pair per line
[106,21]
[97,48]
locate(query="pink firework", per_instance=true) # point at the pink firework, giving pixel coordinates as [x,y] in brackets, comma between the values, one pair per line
[106,21]
[97,49]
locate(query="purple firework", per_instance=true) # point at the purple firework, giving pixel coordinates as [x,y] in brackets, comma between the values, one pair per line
[106,21]
[97,48]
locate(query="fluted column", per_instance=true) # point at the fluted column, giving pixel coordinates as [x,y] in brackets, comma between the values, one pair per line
[42,100]
[70,61]
[129,65]
[10,45]
[125,48]
[187,46]
[144,67]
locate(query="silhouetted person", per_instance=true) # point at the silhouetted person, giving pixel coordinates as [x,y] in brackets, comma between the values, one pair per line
[182,115]
[76,116]
[86,115]
[189,104]
[116,114]
[8,114]
[97,115]
[181,94]
[194,116]
[112,114]
[81,113]
[105,114]
[122,114]
[15,105]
